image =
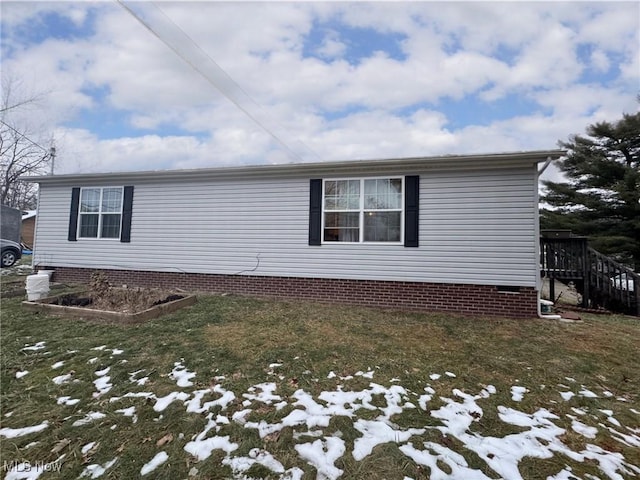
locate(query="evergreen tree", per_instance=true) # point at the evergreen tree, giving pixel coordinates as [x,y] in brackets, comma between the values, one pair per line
[602,197]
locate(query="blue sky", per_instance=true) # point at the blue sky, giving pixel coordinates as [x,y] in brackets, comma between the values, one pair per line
[330,80]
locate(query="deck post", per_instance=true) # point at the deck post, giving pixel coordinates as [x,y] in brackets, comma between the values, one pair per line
[585,291]
[586,275]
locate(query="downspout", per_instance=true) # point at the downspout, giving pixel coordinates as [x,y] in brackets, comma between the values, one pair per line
[35,230]
[544,167]
[546,316]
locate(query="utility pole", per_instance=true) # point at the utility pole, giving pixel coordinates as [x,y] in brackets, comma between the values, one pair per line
[52,153]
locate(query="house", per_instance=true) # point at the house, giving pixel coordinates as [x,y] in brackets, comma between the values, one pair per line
[449,233]
[28,227]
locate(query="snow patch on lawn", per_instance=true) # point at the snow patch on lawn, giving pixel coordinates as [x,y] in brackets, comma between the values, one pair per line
[33,348]
[322,455]
[309,416]
[88,418]
[96,471]
[61,379]
[154,463]
[265,395]
[201,449]
[129,412]
[517,393]
[102,383]
[20,432]
[584,430]
[566,396]
[181,375]
[377,432]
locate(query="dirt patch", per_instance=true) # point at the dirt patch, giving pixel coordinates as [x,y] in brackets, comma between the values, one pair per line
[103,296]
[118,300]
[104,303]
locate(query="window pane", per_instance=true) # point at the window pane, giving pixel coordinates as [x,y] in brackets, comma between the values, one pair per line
[330,188]
[347,220]
[353,202]
[342,227]
[330,203]
[111,200]
[395,193]
[110,226]
[354,194]
[371,202]
[342,202]
[343,187]
[382,226]
[89,225]
[90,200]
[383,194]
[342,195]
[342,235]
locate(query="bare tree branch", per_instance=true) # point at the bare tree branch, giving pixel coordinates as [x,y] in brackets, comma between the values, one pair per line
[19,154]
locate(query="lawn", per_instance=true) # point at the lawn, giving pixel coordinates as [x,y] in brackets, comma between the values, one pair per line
[242,388]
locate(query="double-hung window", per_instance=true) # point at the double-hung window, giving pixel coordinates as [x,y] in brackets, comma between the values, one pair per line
[363,210]
[100,212]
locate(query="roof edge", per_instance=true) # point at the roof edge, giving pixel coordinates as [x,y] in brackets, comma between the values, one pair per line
[526,157]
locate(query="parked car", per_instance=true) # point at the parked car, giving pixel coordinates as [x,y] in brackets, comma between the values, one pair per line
[11,252]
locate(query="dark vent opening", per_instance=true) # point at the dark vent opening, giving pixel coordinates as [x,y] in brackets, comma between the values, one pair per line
[508,288]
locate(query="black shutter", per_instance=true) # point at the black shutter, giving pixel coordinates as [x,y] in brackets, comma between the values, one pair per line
[315,211]
[411,204]
[127,207]
[73,214]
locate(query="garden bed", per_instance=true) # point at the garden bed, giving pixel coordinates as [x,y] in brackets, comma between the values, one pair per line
[118,306]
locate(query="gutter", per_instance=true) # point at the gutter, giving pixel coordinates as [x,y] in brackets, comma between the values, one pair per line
[482,161]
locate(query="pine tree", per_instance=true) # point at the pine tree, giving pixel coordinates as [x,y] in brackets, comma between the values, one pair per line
[601,199]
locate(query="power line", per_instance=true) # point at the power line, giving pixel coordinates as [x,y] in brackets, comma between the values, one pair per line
[169,33]
[24,136]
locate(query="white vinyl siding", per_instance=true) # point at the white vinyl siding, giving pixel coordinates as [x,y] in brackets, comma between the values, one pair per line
[476,226]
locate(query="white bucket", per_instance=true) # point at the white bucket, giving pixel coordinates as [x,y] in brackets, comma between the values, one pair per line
[48,273]
[37,286]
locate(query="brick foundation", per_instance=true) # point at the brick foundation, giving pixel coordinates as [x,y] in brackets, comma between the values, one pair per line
[477,300]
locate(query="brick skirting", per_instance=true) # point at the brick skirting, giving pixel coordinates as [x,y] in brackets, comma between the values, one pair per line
[477,300]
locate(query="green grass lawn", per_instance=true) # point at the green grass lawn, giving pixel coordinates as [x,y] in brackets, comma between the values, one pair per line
[239,388]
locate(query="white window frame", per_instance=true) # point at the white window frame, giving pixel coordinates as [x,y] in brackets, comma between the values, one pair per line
[100,214]
[362,210]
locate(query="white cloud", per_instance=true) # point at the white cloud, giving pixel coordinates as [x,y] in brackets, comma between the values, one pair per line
[331,46]
[378,106]
[612,26]
[600,61]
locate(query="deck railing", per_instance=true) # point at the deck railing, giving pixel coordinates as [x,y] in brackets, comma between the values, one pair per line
[603,281]
[613,285]
[563,258]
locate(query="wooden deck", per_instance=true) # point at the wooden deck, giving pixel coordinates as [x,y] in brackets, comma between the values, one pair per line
[602,281]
